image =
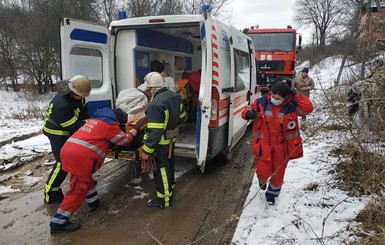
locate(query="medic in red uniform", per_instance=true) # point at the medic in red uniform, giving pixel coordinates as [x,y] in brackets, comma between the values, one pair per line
[277,138]
[82,155]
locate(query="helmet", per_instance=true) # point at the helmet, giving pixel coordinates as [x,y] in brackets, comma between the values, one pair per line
[80,85]
[154,80]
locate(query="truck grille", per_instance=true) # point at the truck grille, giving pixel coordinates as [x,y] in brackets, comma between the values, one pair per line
[269,66]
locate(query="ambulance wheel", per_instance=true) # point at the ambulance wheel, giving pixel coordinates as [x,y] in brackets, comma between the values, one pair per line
[224,157]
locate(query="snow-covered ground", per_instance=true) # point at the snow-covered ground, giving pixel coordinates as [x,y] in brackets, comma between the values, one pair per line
[309,208]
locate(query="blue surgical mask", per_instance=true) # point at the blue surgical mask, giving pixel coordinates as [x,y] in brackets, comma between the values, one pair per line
[275,102]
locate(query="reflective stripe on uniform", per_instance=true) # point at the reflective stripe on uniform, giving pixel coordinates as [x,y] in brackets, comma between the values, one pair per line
[92,195]
[166,195]
[61,217]
[48,186]
[273,190]
[87,145]
[166,118]
[183,114]
[292,136]
[155,125]
[56,132]
[148,149]
[119,136]
[69,122]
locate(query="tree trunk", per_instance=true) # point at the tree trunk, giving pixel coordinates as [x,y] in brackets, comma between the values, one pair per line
[352,36]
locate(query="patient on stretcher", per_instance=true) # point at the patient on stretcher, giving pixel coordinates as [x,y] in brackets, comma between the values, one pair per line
[133,101]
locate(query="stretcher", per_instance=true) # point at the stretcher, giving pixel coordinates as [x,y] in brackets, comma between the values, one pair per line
[133,151]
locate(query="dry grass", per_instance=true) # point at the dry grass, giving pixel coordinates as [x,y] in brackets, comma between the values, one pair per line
[364,174]
[372,219]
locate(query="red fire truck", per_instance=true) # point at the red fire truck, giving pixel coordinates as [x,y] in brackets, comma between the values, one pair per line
[275,53]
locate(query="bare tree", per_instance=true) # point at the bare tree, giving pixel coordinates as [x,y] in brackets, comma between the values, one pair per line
[139,8]
[324,16]
[9,52]
[107,10]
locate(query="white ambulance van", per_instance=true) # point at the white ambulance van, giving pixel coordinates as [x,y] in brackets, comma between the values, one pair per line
[119,57]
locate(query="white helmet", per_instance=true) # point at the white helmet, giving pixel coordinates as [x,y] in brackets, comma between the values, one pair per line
[154,80]
[80,85]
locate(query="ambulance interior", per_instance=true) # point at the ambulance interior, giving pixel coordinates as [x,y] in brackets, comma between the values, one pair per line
[179,49]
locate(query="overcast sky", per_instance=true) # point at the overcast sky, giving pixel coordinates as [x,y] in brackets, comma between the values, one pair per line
[267,14]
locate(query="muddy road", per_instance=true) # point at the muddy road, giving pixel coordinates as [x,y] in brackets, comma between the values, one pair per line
[205,207]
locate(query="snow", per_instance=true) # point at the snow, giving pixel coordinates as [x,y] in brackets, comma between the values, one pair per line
[31,146]
[309,208]
[7,189]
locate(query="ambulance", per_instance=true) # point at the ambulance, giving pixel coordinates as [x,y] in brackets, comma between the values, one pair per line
[119,57]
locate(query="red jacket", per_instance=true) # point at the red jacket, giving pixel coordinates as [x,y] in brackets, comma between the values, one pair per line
[278,122]
[87,147]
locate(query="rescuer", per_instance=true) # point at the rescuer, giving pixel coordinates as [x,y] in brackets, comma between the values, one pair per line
[67,112]
[277,138]
[165,114]
[82,155]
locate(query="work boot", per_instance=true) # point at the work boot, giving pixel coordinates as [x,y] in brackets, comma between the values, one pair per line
[271,202]
[67,227]
[262,185]
[94,205]
[158,203]
[53,197]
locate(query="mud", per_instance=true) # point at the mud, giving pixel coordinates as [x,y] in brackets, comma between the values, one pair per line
[205,206]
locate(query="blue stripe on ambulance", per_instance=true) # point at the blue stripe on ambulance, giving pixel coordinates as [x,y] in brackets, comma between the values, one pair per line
[93,106]
[203,32]
[88,36]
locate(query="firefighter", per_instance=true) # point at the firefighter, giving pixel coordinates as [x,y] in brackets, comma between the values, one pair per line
[82,155]
[165,113]
[277,137]
[67,112]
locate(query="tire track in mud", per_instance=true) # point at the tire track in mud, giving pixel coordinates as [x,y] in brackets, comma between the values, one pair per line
[228,195]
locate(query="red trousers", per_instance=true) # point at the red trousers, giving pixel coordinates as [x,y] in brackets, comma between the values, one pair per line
[80,165]
[276,166]
[79,187]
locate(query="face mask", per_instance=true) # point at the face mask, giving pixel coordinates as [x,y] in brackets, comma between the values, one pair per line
[275,102]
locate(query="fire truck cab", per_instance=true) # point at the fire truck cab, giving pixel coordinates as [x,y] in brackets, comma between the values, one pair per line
[275,53]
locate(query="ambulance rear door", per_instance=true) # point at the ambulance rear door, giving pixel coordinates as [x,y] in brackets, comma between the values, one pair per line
[240,85]
[85,51]
[204,108]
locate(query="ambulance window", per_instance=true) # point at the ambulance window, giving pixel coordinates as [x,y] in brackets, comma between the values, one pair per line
[242,70]
[88,62]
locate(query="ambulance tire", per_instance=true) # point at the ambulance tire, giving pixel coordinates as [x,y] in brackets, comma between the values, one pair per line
[224,157]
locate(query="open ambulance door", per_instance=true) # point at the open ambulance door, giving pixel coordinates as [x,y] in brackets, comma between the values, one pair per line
[84,51]
[204,108]
[240,85]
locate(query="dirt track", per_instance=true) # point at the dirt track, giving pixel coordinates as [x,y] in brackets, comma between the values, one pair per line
[204,210]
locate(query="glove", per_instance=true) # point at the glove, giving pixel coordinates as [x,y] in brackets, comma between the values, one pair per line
[293,91]
[251,114]
[148,165]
